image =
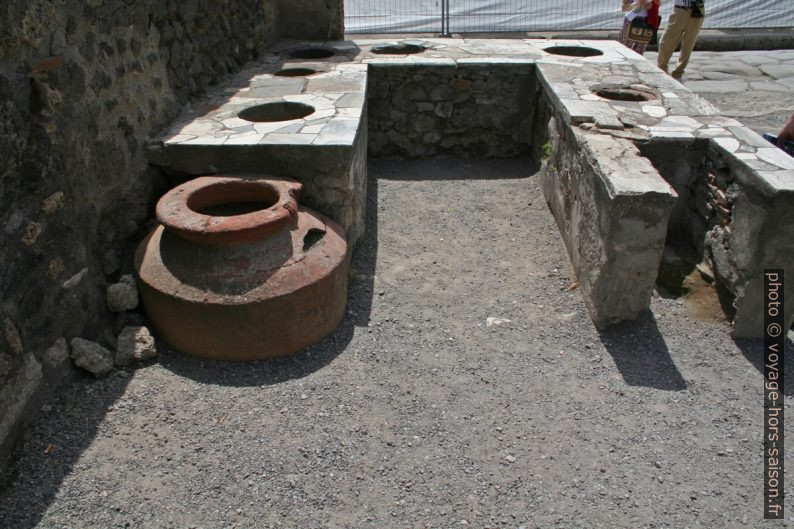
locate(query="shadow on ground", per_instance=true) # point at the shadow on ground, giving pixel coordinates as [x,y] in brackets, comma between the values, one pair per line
[52,445]
[753,350]
[641,355]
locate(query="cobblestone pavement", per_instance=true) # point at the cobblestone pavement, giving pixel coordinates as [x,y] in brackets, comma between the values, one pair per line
[755,87]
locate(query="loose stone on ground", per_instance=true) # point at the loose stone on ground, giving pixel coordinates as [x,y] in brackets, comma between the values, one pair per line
[91,356]
[123,295]
[134,345]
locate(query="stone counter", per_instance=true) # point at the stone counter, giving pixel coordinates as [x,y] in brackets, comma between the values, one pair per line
[325,149]
[625,148]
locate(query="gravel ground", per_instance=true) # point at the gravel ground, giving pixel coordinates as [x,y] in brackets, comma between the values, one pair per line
[415,413]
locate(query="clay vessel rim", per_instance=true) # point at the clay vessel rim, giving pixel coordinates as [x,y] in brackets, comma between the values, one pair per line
[179,209]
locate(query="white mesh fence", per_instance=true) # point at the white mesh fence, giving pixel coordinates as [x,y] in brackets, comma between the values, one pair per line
[466,16]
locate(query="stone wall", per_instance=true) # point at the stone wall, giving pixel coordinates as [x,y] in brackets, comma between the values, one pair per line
[750,225]
[82,85]
[729,217]
[312,19]
[612,208]
[469,111]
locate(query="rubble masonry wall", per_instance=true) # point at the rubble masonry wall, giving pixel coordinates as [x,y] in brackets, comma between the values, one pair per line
[468,111]
[82,85]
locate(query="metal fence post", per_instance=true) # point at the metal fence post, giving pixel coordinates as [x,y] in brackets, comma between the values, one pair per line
[445,32]
[443,15]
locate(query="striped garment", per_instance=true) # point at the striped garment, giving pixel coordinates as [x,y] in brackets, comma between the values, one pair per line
[639,47]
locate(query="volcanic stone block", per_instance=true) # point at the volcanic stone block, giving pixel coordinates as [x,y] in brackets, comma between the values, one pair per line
[135,343]
[92,357]
[612,209]
[123,295]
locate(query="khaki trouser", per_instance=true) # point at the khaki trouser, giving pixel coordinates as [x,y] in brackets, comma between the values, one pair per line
[681,28]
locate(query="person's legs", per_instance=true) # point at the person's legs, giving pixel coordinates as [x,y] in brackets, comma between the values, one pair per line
[671,36]
[691,32]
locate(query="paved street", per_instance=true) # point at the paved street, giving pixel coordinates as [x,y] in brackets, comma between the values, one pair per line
[755,87]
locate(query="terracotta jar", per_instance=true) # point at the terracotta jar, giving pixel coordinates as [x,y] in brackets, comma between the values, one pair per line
[236,270]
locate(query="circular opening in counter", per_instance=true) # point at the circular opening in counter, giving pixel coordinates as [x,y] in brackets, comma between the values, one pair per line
[278,111]
[295,72]
[400,48]
[624,93]
[314,52]
[574,51]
